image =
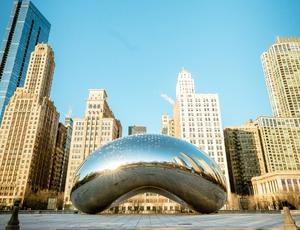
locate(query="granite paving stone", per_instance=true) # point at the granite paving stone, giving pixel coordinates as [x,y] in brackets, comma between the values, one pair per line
[163,222]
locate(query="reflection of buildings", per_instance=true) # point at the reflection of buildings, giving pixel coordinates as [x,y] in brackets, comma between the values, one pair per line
[28,132]
[278,148]
[97,128]
[197,119]
[136,129]
[149,203]
[146,202]
[149,163]
[27,27]
[167,125]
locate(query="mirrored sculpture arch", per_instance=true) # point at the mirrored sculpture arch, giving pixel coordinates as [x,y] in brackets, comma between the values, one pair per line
[148,163]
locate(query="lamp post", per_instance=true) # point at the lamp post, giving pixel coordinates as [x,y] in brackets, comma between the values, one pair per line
[13,223]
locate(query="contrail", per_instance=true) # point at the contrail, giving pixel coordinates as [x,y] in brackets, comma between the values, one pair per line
[167,98]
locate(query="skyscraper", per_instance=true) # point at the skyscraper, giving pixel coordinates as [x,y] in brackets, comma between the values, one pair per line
[197,119]
[136,129]
[26,28]
[98,127]
[28,132]
[280,135]
[267,150]
[281,64]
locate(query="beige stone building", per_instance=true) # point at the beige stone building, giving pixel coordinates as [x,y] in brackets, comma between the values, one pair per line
[281,64]
[281,143]
[28,132]
[98,127]
[271,190]
[244,156]
[167,125]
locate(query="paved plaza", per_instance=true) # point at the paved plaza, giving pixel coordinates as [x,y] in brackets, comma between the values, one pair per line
[94,222]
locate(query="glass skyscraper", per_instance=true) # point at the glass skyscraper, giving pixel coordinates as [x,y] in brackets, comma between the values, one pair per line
[26,28]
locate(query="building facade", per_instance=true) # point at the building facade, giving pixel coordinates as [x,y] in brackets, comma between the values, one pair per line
[58,159]
[28,132]
[98,127]
[136,129]
[244,156]
[267,145]
[280,134]
[277,189]
[69,126]
[280,139]
[26,28]
[281,65]
[167,125]
[197,119]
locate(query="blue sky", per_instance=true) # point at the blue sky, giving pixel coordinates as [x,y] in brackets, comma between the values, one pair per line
[134,49]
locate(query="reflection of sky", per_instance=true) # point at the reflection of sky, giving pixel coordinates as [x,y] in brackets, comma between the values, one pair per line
[143,148]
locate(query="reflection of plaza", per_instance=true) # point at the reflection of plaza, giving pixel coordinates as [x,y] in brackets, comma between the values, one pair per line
[149,203]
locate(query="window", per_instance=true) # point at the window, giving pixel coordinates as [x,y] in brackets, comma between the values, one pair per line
[283,185]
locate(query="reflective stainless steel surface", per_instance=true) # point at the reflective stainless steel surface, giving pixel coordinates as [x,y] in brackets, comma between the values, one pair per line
[155,163]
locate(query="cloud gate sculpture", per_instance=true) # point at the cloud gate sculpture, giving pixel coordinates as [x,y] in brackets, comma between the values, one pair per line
[148,163]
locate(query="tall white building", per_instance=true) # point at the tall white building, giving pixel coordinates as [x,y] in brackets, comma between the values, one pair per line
[281,64]
[280,135]
[197,119]
[97,128]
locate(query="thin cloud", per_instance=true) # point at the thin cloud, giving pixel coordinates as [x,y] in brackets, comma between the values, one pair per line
[167,98]
[124,41]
